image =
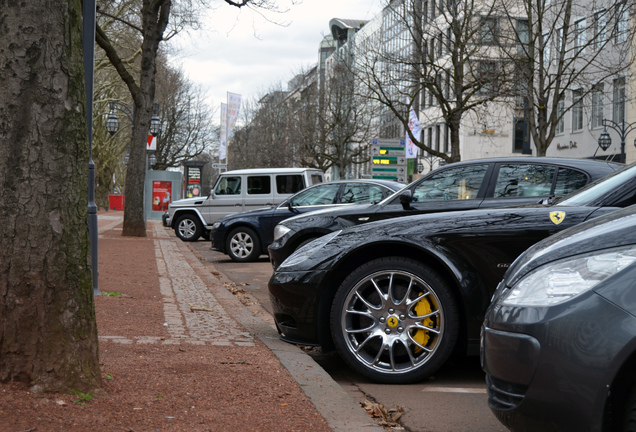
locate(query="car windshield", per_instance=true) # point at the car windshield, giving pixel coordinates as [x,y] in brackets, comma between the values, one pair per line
[600,188]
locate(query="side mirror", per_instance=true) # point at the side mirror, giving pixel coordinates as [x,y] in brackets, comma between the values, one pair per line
[290,206]
[406,198]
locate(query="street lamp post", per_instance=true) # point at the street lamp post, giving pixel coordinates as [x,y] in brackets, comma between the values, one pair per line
[89,9]
[623,129]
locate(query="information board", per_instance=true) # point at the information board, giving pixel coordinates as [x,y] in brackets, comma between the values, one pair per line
[388,160]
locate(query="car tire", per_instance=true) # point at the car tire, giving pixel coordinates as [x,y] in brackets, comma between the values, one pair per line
[394,320]
[243,245]
[188,228]
[629,418]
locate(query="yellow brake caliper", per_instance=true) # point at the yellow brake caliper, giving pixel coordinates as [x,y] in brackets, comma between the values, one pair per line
[423,307]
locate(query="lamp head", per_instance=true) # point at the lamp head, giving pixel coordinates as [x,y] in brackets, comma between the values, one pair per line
[604,141]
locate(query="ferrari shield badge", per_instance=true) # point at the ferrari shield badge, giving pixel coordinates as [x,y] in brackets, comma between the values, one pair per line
[557,217]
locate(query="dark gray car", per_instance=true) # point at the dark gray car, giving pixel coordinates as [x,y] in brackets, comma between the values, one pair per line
[559,339]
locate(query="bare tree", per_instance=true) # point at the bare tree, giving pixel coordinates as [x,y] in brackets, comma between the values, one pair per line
[434,55]
[564,52]
[48,335]
[344,123]
[188,129]
[244,150]
[154,21]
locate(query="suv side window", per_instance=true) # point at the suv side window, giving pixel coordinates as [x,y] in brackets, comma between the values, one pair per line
[290,183]
[228,186]
[524,180]
[452,184]
[568,181]
[361,193]
[315,179]
[259,185]
[320,195]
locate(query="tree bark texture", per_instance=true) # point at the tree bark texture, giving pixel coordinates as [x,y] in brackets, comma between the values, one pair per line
[48,335]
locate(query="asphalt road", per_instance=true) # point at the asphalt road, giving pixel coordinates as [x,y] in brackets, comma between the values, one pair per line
[454,400]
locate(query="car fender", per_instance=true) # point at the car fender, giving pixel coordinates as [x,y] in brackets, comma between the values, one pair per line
[180,212]
[467,286]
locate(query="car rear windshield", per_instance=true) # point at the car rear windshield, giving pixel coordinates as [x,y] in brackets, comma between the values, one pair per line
[601,188]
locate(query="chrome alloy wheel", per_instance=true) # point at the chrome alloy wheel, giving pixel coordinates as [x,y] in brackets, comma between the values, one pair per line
[392,322]
[187,228]
[241,244]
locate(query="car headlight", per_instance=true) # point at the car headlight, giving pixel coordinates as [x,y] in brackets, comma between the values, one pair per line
[215,225]
[562,280]
[306,251]
[280,230]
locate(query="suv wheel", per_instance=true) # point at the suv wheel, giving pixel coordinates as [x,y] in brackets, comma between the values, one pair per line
[188,228]
[243,245]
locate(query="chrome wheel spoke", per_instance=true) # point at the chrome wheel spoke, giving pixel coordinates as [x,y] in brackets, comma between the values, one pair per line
[369,306]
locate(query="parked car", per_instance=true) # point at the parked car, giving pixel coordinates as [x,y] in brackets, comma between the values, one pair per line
[559,339]
[482,183]
[245,236]
[396,297]
[234,192]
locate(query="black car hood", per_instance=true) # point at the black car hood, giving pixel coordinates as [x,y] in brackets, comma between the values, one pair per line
[612,230]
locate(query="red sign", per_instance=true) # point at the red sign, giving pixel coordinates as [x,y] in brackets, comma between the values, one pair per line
[161,195]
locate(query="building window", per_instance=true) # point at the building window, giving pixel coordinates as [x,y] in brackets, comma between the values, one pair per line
[621,23]
[440,45]
[433,11]
[560,126]
[558,41]
[619,100]
[523,35]
[597,106]
[579,35]
[577,110]
[446,139]
[488,30]
[488,77]
[425,12]
[447,86]
[437,137]
[599,29]
[545,41]
[429,138]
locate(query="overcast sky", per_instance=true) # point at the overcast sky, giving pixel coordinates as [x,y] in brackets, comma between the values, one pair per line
[243,53]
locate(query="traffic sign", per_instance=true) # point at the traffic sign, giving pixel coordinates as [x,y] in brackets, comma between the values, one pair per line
[388,159]
[219,165]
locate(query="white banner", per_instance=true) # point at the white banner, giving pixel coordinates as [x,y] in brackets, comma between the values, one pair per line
[414,125]
[223,141]
[233,107]
[152,142]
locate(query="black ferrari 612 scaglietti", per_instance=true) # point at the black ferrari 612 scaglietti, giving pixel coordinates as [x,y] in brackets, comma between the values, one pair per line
[396,297]
[466,185]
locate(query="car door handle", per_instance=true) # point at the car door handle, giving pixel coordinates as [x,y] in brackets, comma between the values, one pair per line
[238,205]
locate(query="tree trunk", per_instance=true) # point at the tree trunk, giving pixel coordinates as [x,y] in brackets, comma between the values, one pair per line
[48,335]
[154,15]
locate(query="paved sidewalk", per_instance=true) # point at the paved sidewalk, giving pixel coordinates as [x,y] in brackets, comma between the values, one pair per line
[186,285]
